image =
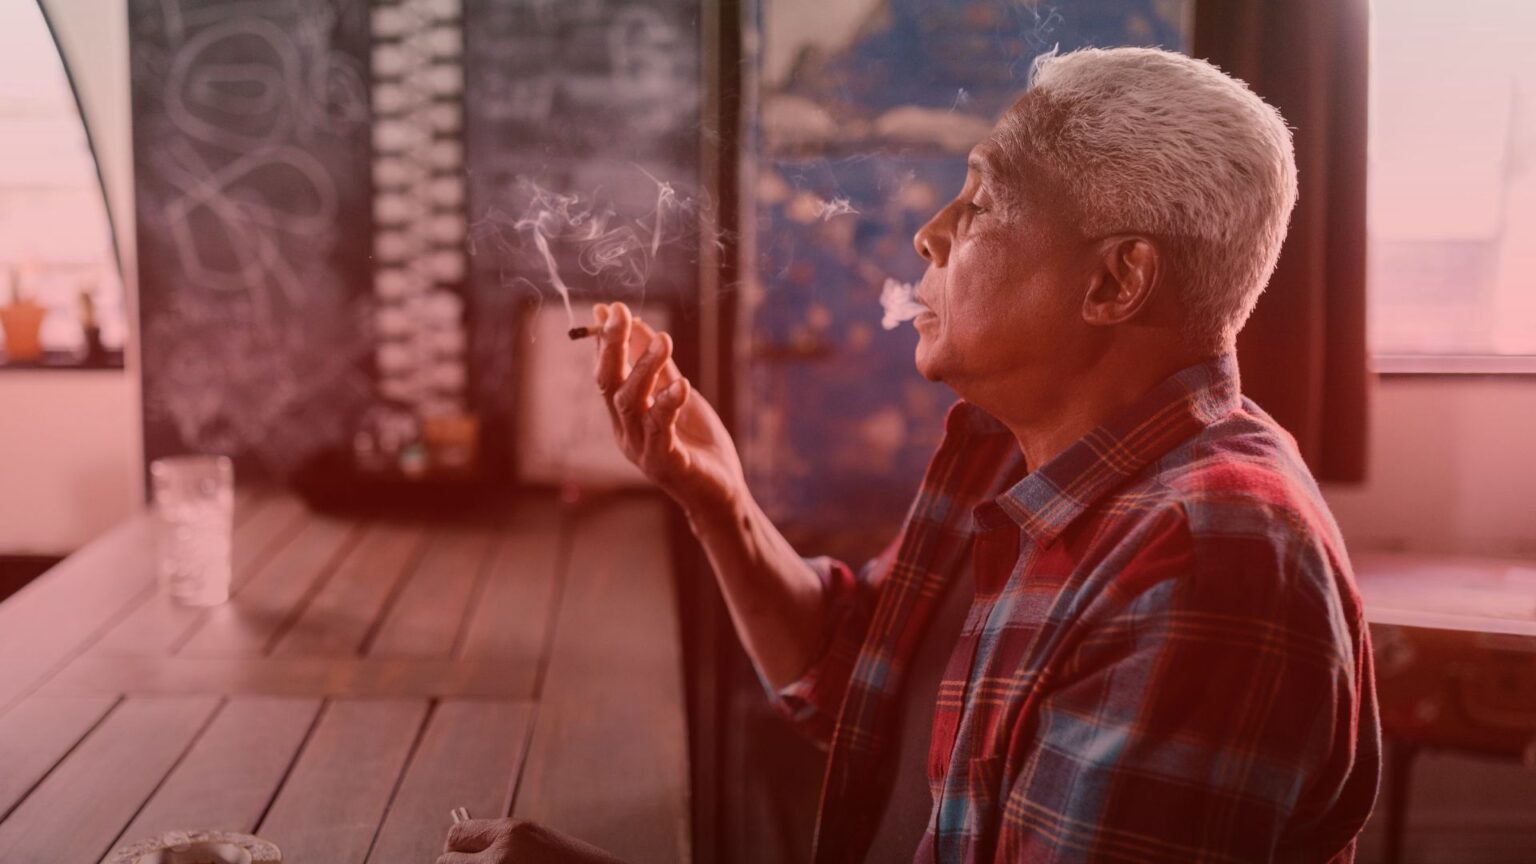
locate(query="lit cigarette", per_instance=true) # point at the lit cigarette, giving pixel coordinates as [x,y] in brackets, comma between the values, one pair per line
[581,332]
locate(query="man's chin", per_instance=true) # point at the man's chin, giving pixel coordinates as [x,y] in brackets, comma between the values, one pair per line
[924,361]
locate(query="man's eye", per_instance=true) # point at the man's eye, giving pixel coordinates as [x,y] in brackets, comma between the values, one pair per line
[976,209]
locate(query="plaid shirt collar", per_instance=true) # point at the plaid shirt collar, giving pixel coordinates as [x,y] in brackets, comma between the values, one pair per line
[1046,501]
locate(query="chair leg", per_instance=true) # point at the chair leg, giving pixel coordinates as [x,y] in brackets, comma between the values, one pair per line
[1399,775]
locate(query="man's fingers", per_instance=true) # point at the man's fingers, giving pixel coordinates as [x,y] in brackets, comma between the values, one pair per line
[669,402]
[630,392]
[643,333]
[634,394]
[613,356]
[599,318]
[473,835]
[661,420]
[460,858]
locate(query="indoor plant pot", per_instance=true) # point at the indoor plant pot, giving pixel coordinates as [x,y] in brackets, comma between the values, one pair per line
[22,321]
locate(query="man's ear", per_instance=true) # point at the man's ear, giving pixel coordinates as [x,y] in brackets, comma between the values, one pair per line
[1130,270]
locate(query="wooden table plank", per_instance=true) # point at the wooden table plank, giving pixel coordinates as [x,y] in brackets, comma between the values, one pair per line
[331,806]
[232,773]
[608,762]
[156,624]
[430,612]
[469,756]
[257,614]
[47,622]
[340,617]
[71,605]
[79,810]
[248,500]
[513,615]
[276,520]
[361,677]
[37,733]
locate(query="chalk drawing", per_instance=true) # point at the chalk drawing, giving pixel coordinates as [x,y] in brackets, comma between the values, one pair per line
[249,117]
[195,98]
[234,201]
[529,100]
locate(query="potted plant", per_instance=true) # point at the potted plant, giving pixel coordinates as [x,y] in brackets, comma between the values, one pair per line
[22,320]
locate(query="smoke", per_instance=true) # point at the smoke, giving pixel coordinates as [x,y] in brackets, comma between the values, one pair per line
[610,249]
[1041,25]
[1037,29]
[617,253]
[666,197]
[825,210]
[899,301]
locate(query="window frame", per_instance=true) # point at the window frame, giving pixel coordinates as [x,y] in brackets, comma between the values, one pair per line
[1454,364]
[61,361]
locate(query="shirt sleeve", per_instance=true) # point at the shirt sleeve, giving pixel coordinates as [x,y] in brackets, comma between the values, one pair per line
[811,702]
[1208,715]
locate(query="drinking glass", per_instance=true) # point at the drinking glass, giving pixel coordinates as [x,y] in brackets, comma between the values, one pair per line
[194,527]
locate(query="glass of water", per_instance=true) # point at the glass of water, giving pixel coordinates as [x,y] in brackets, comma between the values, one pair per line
[194,527]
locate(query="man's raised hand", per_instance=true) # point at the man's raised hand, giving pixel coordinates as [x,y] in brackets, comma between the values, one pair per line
[671,433]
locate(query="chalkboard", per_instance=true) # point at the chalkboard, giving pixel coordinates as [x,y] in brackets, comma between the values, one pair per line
[251,164]
[597,100]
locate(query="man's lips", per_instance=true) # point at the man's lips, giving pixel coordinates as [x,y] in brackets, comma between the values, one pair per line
[917,297]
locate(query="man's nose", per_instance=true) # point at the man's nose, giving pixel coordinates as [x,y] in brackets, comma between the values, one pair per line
[932,242]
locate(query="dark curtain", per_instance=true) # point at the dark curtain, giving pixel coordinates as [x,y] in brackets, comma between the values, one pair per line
[1303,353]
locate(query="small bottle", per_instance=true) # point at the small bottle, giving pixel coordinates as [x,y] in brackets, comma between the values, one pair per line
[90,327]
[413,460]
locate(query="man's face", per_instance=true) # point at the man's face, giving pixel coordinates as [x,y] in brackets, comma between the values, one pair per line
[1007,267]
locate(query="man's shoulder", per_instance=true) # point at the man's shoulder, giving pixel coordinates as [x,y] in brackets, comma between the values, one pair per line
[1240,500]
[1241,474]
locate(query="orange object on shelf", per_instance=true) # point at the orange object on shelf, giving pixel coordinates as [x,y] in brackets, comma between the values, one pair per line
[22,321]
[453,441]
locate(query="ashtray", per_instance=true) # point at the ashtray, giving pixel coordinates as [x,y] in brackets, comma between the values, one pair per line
[199,847]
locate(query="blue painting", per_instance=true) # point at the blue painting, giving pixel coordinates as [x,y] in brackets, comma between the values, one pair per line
[864,112]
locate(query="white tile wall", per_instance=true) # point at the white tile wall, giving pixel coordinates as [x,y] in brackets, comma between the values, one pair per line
[419,247]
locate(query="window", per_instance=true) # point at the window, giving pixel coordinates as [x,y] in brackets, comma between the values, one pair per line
[1452,185]
[55,237]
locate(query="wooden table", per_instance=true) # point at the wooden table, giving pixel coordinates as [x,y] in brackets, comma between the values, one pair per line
[1454,643]
[1454,639]
[367,676]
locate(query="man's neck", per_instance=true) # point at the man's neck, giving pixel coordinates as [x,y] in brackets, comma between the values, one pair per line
[1049,413]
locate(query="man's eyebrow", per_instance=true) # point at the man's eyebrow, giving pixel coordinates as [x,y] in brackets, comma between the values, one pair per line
[981,165]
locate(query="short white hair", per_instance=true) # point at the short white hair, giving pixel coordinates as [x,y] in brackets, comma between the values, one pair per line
[1150,141]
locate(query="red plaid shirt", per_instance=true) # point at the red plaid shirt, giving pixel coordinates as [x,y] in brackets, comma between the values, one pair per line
[1166,660]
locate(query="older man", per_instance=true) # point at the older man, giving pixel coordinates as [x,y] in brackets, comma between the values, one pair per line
[1119,623]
